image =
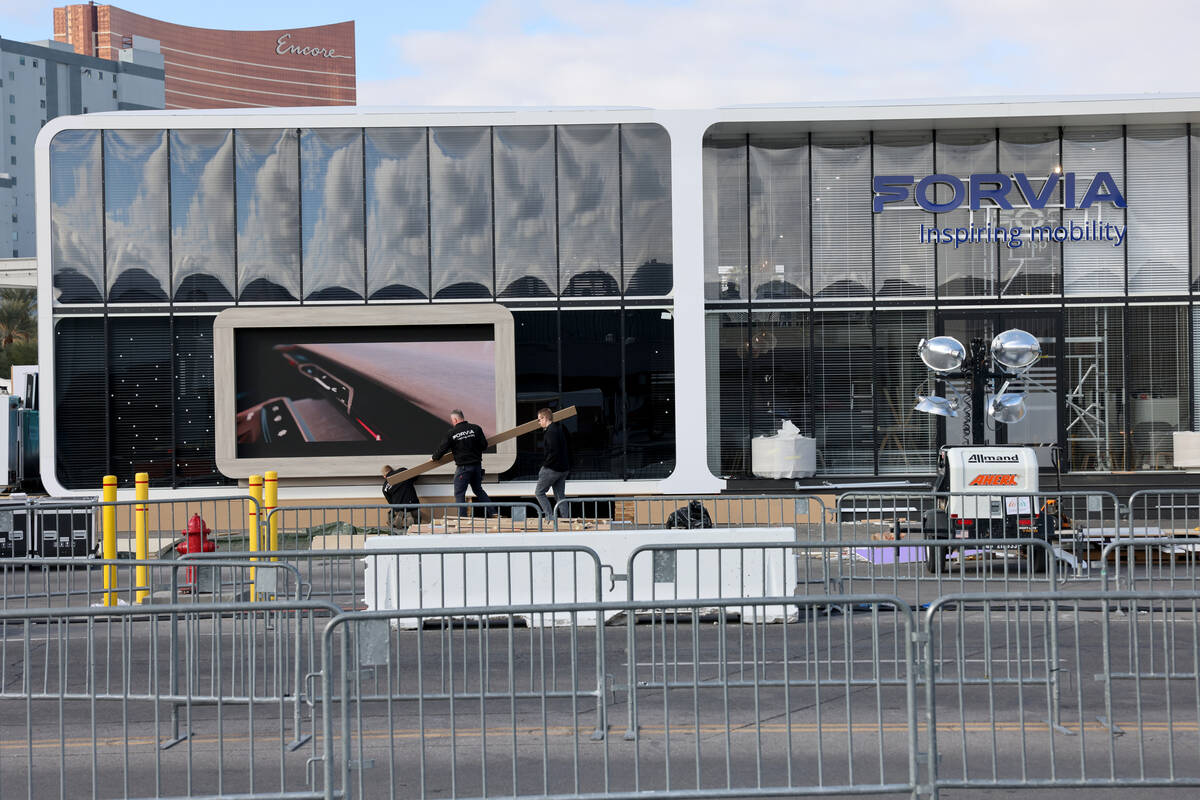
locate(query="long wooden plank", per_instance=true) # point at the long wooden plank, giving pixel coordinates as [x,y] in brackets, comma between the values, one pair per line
[503,436]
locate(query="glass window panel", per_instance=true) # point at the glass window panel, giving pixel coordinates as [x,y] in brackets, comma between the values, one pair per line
[591,381]
[725,219]
[268,214]
[195,452]
[844,392]
[968,271]
[1157,344]
[841,215]
[80,402]
[903,264]
[727,373]
[397,187]
[777,354]
[779,208]
[649,393]
[140,396]
[536,342]
[460,172]
[331,201]
[135,216]
[589,211]
[202,223]
[907,439]
[1034,267]
[526,256]
[1157,243]
[646,210]
[76,224]
[1096,267]
[1093,347]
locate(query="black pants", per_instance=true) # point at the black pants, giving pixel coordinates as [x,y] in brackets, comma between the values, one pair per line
[469,475]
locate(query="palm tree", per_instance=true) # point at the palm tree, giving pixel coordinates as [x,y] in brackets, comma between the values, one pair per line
[17,320]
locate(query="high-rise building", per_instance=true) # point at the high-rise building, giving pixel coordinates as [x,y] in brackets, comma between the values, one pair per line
[208,68]
[43,80]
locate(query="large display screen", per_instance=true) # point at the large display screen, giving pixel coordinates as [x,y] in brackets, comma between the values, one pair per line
[350,391]
[337,392]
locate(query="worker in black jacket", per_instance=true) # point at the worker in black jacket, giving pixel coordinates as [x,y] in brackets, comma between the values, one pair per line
[556,465]
[467,442]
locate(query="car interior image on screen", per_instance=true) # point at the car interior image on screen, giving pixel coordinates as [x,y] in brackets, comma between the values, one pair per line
[353,391]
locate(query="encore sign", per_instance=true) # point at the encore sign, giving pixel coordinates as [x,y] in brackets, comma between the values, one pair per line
[284,46]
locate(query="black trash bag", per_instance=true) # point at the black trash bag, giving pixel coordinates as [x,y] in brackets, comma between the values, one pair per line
[693,515]
[402,494]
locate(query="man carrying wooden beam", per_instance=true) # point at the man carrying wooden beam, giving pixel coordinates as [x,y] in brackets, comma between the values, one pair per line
[467,442]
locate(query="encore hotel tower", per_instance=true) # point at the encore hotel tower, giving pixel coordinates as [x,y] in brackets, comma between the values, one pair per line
[208,68]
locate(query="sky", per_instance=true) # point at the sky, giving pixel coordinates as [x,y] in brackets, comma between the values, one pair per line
[707,53]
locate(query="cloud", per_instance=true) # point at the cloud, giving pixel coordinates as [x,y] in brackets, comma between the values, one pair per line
[712,53]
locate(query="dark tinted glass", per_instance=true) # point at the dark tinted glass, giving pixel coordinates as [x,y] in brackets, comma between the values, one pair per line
[535,335]
[591,381]
[76,221]
[649,394]
[81,404]
[195,456]
[139,350]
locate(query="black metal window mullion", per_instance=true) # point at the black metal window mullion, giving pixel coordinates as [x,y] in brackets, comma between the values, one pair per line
[873,315]
[748,379]
[492,204]
[624,388]
[300,213]
[237,294]
[429,210]
[108,416]
[171,320]
[1191,213]
[810,379]
[362,132]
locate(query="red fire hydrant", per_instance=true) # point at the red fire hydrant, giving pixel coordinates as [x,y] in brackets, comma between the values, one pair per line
[196,541]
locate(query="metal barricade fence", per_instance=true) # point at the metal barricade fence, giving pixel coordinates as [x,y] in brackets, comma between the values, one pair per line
[1129,719]
[79,582]
[345,527]
[805,513]
[1161,541]
[1077,523]
[710,723]
[94,701]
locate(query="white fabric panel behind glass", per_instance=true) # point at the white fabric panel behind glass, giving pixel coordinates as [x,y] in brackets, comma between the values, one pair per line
[1157,242]
[202,224]
[841,218]
[135,216]
[460,211]
[589,211]
[1033,267]
[397,195]
[268,218]
[526,260]
[779,201]
[646,210]
[1094,268]
[331,191]
[76,217]
[725,215]
[968,271]
[904,267]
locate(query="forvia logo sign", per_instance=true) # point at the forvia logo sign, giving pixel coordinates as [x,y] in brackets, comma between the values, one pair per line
[995,189]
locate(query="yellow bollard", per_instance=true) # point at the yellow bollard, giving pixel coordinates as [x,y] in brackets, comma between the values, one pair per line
[256,496]
[270,501]
[141,541]
[108,528]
